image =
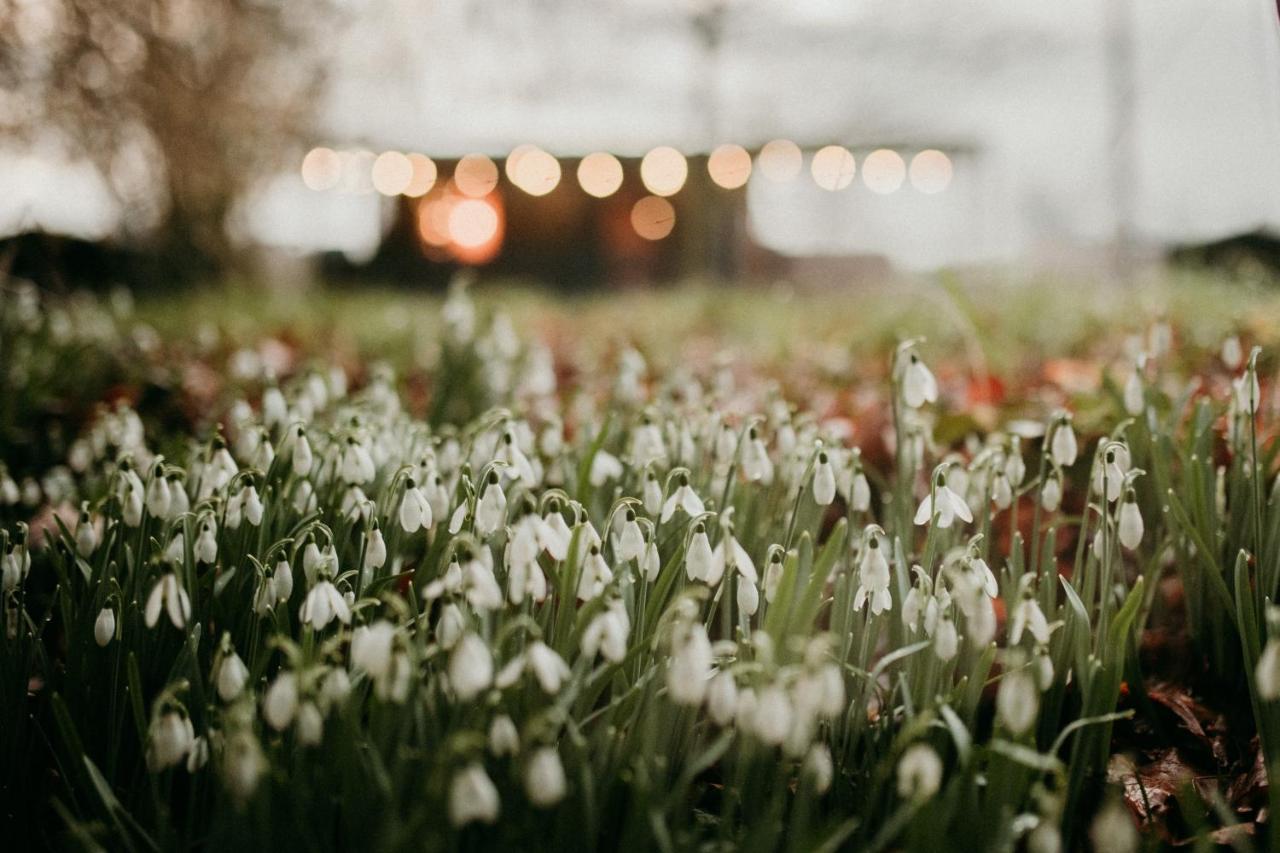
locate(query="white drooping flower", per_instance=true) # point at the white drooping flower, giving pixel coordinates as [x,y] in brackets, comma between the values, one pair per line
[594,576]
[819,768]
[652,494]
[630,544]
[310,724]
[1130,527]
[280,704]
[159,495]
[1027,616]
[547,667]
[470,667]
[302,458]
[282,580]
[1267,672]
[918,384]
[357,464]
[206,547]
[232,675]
[950,506]
[607,634]
[757,467]
[647,444]
[604,467]
[479,581]
[371,648]
[169,739]
[503,737]
[860,492]
[945,639]
[722,698]
[168,594]
[1018,700]
[773,717]
[322,605]
[86,535]
[651,562]
[1232,353]
[104,627]
[1111,472]
[1051,493]
[683,498]
[698,556]
[824,481]
[473,798]
[919,772]
[873,578]
[1063,448]
[375,550]
[544,781]
[415,511]
[690,667]
[491,511]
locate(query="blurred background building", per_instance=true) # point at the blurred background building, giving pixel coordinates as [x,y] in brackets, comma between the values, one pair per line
[589,143]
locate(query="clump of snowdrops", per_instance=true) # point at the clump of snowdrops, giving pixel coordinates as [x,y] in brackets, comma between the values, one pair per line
[636,614]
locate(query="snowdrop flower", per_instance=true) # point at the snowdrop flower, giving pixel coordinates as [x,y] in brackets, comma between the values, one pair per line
[756,465]
[860,492]
[630,544]
[1111,473]
[168,594]
[1043,666]
[690,666]
[1015,468]
[375,550]
[206,547]
[594,576]
[357,465]
[916,600]
[513,457]
[548,668]
[302,457]
[322,605]
[945,640]
[604,467]
[722,698]
[451,626]
[159,494]
[280,704]
[918,384]
[371,647]
[482,590]
[415,511]
[1130,526]
[503,737]
[1134,398]
[282,581]
[1232,353]
[131,498]
[773,718]
[544,781]
[198,755]
[86,535]
[1051,492]
[950,505]
[491,511]
[652,494]
[15,567]
[919,772]
[683,498]
[1113,830]
[169,739]
[1062,446]
[819,767]
[651,562]
[1027,616]
[873,577]
[219,470]
[1267,673]
[104,627]
[698,557]
[607,633]
[1018,700]
[773,576]
[470,667]
[310,724]
[555,534]
[824,481]
[647,446]
[472,797]
[231,675]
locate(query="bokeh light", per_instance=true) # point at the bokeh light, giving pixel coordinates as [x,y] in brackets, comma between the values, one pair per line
[780,160]
[391,173]
[514,158]
[883,171]
[653,217]
[534,171]
[600,174]
[472,222]
[357,171]
[729,166]
[832,168]
[663,171]
[931,171]
[321,169]
[475,176]
[424,176]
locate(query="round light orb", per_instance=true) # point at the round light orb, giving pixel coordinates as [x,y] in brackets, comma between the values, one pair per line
[832,168]
[883,171]
[663,171]
[321,169]
[780,160]
[600,174]
[472,223]
[391,173]
[536,172]
[424,176]
[475,176]
[653,217]
[931,171]
[729,166]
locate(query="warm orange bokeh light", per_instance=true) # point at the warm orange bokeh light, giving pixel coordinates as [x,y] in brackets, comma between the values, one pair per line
[534,171]
[391,173]
[664,170]
[600,174]
[653,217]
[729,166]
[475,176]
[424,176]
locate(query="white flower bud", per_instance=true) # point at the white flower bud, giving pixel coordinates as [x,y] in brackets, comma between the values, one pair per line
[280,704]
[170,738]
[104,627]
[544,781]
[919,772]
[824,481]
[819,767]
[472,797]
[503,737]
[231,676]
[1130,526]
[690,667]
[1018,701]
[722,698]
[470,667]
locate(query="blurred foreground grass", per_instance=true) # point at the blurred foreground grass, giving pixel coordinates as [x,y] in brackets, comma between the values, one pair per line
[997,322]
